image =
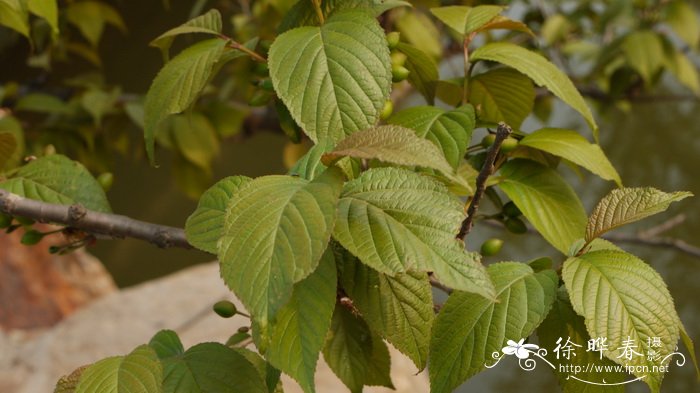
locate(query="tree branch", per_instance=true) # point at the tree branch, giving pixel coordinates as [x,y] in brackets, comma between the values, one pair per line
[96,223]
[487,170]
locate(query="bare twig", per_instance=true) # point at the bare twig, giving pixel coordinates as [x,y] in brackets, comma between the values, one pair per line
[437,284]
[96,223]
[502,133]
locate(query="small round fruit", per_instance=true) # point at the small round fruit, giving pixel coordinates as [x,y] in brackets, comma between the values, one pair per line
[488,140]
[5,221]
[491,247]
[509,144]
[266,84]
[393,39]
[243,329]
[510,210]
[387,110]
[225,309]
[259,98]
[106,180]
[398,59]
[516,225]
[399,73]
[31,237]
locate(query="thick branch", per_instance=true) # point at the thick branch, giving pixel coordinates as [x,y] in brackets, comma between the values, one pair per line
[502,133]
[96,223]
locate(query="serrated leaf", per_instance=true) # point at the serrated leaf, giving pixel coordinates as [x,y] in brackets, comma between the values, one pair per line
[626,205]
[68,383]
[303,13]
[57,179]
[46,9]
[501,22]
[548,202]
[195,138]
[399,308]
[167,344]
[502,94]
[178,84]
[524,299]
[393,144]
[563,323]
[309,165]
[90,17]
[13,14]
[644,53]
[297,336]
[423,70]
[263,255]
[211,367]
[451,130]
[638,306]
[269,374]
[571,146]
[683,19]
[208,23]
[206,225]
[140,371]
[540,70]
[466,20]
[396,221]
[335,78]
[8,147]
[356,355]
[419,30]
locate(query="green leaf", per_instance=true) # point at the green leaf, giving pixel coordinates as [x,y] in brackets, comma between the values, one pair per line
[396,221]
[68,383]
[303,13]
[419,30]
[47,9]
[208,23]
[195,138]
[469,329]
[13,14]
[167,344]
[626,205]
[451,130]
[57,179]
[502,94]
[42,103]
[335,78]
[98,103]
[178,84]
[355,355]
[211,367]
[466,20]
[309,165]
[393,144]
[10,125]
[644,53]
[297,336]
[8,147]
[206,225]
[90,17]
[269,374]
[423,70]
[275,231]
[140,371]
[563,323]
[398,308]
[540,70]
[684,70]
[690,346]
[548,202]
[572,146]
[637,306]
[683,19]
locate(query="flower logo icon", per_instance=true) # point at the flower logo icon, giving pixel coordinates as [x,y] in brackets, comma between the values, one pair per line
[519,349]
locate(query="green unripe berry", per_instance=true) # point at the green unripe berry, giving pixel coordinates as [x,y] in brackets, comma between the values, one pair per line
[399,73]
[259,98]
[393,39]
[243,329]
[106,180]
[509,144]
[491,247]
[387,110]
[5,221]
[510,210]
[31,237]
[225,309]
[398,59]
[266,84]
[516,225]
[488,140]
